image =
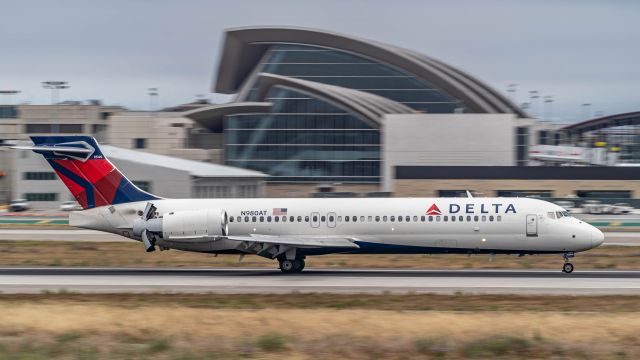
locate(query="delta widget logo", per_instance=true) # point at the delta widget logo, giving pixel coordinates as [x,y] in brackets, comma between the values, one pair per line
[433,210]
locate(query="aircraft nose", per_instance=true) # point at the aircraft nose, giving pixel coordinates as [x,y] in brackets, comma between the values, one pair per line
[597,237]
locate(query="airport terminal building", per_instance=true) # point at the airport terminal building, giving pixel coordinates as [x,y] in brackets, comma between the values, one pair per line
[317,109]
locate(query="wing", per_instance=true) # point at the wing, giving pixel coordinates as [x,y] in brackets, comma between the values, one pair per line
[298,241]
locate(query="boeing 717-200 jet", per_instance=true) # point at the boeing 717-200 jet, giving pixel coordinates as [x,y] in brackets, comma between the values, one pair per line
[289,230]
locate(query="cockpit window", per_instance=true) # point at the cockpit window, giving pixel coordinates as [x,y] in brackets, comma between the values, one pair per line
[560,214]
[551,215]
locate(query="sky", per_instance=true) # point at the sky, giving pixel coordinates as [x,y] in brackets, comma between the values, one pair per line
[579,52]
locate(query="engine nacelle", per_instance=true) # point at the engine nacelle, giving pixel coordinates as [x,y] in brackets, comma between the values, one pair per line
[195,224]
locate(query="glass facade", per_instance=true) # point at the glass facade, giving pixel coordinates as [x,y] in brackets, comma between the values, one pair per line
[340,68]
[305,139]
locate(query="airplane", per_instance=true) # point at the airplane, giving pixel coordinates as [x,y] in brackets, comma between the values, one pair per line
[289,230]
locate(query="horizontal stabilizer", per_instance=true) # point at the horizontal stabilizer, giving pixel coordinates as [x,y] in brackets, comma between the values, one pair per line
[55,149]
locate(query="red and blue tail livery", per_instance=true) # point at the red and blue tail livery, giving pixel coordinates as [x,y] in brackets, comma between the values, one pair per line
[87,173]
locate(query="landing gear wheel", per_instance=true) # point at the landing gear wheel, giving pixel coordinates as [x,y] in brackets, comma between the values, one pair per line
[287,266]
[567,268]
[298,265]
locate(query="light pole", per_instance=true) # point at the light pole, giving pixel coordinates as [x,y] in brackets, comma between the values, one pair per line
[586,114]
[548,101]
[533,95]
[512,89]
[153,93]
[55,87]
[9,95]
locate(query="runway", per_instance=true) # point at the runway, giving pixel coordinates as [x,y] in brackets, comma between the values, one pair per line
[161,280]
[611,238]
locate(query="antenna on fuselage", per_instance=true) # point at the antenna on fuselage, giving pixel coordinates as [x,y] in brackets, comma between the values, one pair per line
[469,194]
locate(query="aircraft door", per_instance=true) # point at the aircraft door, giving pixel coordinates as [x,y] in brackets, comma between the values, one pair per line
[315,220]
[331,219]
[532,225]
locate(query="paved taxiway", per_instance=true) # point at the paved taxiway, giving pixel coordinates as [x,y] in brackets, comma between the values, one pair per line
[611,238]
[139,280]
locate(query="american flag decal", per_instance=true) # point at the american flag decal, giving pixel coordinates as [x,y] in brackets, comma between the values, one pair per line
[279,211]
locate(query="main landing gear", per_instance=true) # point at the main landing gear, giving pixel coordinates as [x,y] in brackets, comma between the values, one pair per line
[291,266]
[567,268]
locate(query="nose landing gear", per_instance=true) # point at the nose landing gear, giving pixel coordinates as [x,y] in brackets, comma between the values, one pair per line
[567,268]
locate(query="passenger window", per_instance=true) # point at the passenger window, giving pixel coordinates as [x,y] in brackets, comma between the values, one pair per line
[238,219]
[261,218]
[268,218]
[276,218]
[315,218]
[299,218]
[475,218]
[384,218]
[469,218]
[323,218]
[430,218]
[415,219]
[437,218]
[231,219]
[284,219]
[254,219]
[291,218]
[484,218]
[346,219]
[392,218]
[354,219]
[361,218]
[407,218]
[339,218]
[246,219]
[377,218]
[499,218]
[423,218]
[460,218]
[306,219]
[370,218]
[446,218]
[453,218]
[399,218]
[331,218]
[491,218]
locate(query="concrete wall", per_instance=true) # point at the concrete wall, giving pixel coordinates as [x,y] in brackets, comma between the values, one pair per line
[89,116]
[559,188]
[27,161]
[447,139]
[275,190]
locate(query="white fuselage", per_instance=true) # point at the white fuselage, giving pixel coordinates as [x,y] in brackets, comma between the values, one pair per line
[464,225]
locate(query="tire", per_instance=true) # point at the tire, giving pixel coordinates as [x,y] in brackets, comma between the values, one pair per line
[298,265]
[287,266]
[567,268]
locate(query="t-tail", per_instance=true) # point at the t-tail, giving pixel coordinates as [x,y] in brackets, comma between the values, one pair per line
[92,179]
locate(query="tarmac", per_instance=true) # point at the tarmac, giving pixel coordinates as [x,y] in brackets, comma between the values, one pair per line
[346,281]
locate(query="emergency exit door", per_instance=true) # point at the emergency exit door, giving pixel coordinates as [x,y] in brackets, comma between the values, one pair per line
[532,225]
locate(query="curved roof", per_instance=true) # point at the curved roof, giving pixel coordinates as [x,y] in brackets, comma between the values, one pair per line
[211,117]
[244,47]
[194,168]
[368,107]
[624,119]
